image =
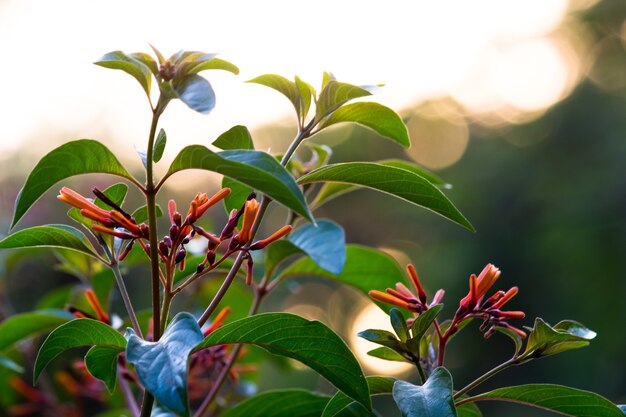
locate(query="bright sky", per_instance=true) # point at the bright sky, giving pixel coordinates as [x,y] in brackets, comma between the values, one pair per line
[487,54]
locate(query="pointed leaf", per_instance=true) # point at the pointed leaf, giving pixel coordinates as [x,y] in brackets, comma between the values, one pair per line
[339,402]
[280,403]
[283,86]
[559,399]
[141,214]
[53,235]
[255,169]
[381,119]
[277,252]
[387,354]
[424,320]
[391,180]
[324,243]
[398,322]
[566,335]
[21,326]
[214,64]
[81,156]
[121,61]
[365,269]
[309,342]
[79,332]
[159,146]
[434,398]
[334,95]
[381,337]
[305,97]
[162,366]
[101,362]
[468,410]
[196,93]
[236,138]
[147,60]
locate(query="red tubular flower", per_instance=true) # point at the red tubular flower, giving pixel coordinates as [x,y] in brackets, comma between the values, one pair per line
[389,299]
[72,198]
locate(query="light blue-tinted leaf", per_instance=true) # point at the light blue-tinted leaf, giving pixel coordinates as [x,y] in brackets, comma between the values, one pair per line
[309,342]
[101,362]
[280,403]
[340,402]
[622,407]
[23,325]
[325,244]
[162,366]
[434,398]
[390,180]
[121,61]
[9,364]
[196,93]
[381,119]
[76,333]
[81,156]
[235,138]
[255,169]
[159,146]
[53,235]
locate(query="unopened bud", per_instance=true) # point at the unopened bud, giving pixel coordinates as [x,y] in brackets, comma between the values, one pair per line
[200,268]
[234,243]
[177,219]
[126,250]
[249,270]
[168,241]
[180,255]
[145,230]
[174,232]
[163,248]
[210,256]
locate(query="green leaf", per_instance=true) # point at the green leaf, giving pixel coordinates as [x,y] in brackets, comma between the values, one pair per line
[381,337]
[280,403]
[381,119]
[141,214]
[559,399]
[255,169]
[434,398]
[214,64]
[53,235]
[162,367]
[468,410]
[387,354]
[159,146]
[238,194]
[81,156]
[235,138]
[321,155]
[79,332]
[11,365]
[398,322]
[121,61]
[277,252]
[116,193]
[516,338]
[622,407]
[309,342]
[305,91]
[101,362]
[334,95]
[196,93]
[391,180]
[566,335]
[147,60]
[365,269]
[324,243]
[21,326]
[283,86]
[339,402]
[424,320]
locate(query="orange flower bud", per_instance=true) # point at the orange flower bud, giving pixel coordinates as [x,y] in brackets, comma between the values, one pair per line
[387,298]
[96,306]
[72,198]
[506,297]
[416,283]
[283,231]
[249,216]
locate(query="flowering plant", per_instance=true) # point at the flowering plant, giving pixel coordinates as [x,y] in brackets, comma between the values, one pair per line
[169,361]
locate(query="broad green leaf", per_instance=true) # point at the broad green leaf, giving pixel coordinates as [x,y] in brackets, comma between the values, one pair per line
[391,180]
[196,93]
[55,299]
[283,86]
[309,342]
[159,146]
[81,156]
[321,155]
[434,398]
[365,269]
[398,322]
[280,403]
[432,178]
[79,332]
[324,243]
[306,91]
[236,138]
[101,362]
[238,194]
[334,95]
[277,252]
[213,64]
[21,326]
[121,61]
[559,399]
[162,366]
[116,193]
[339,402]
[11,365]
[53,235]
[387,354]
[255,169]
[424,320]
[379,118]
[141,214]
[381,337]
[565,335]
[468,410]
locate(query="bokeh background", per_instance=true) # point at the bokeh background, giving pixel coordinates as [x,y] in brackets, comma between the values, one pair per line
[520,105]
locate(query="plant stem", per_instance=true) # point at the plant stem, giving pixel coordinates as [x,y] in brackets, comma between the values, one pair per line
[146,405]
[511,362]
[420,370]
[123,291]
[128,396]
